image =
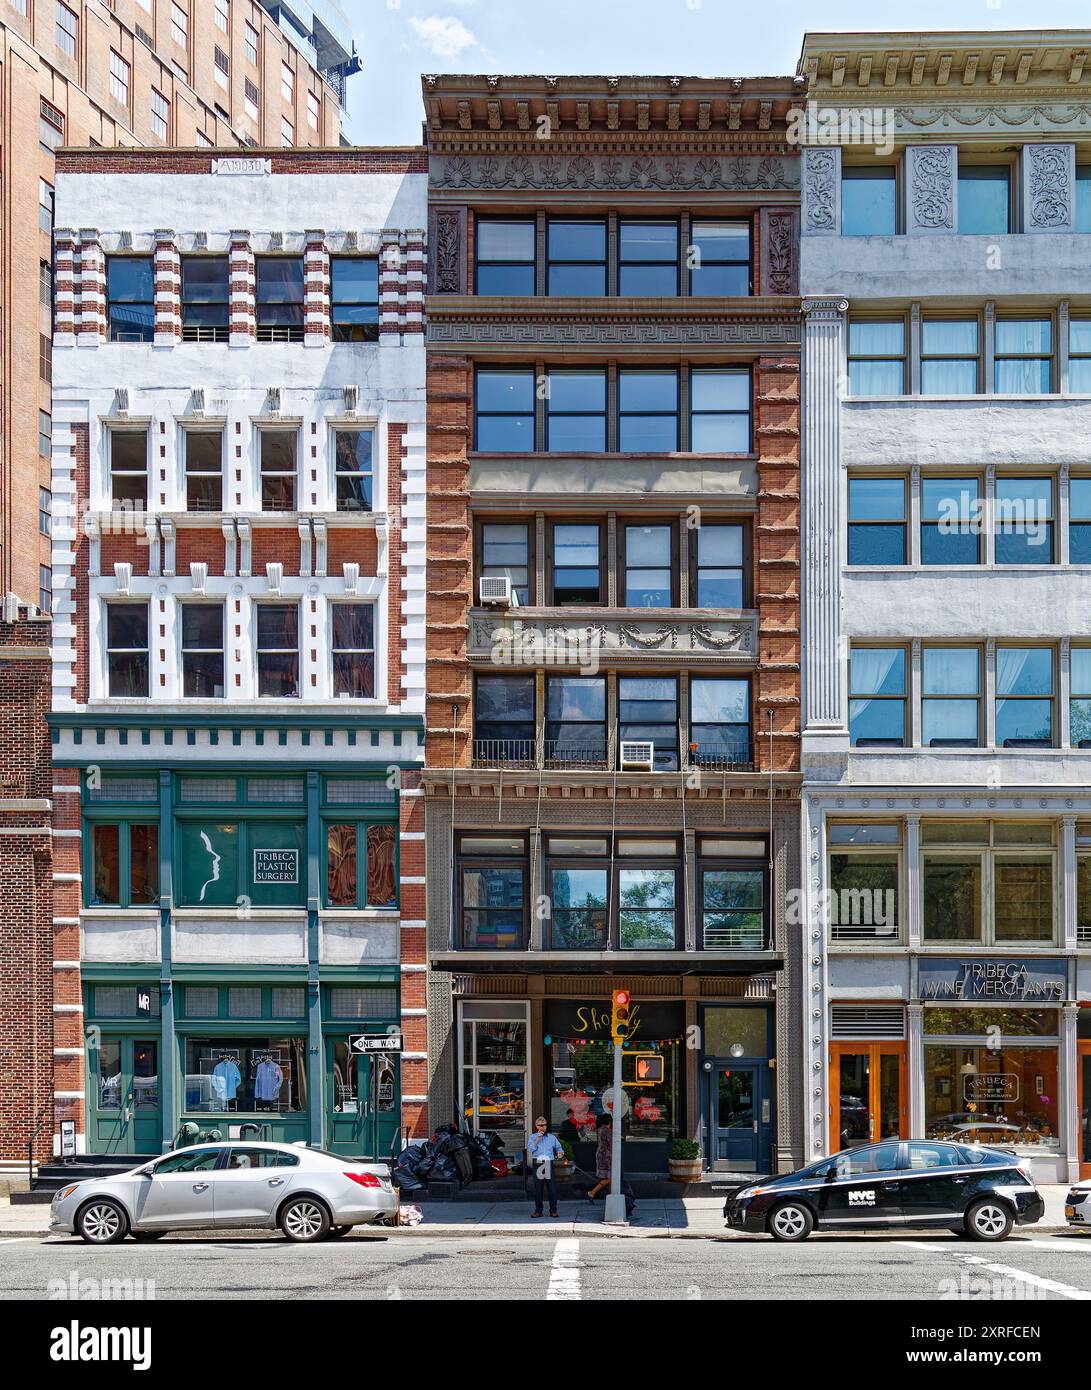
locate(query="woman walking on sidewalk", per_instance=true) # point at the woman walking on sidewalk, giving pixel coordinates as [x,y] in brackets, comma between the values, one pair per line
[604,1154]
[543,1149]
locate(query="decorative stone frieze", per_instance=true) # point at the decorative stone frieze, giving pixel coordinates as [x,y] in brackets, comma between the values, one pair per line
[1049,188]
[931,182]
[820,191]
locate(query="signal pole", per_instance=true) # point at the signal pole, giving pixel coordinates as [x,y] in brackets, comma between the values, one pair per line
[615,1214]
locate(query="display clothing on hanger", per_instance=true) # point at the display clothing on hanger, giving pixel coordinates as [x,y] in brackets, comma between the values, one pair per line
[226,1079]
[268,1080]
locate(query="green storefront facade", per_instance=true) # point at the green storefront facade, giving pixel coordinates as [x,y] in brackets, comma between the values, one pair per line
[239,927]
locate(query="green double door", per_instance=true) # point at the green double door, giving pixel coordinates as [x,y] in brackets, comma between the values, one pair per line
[363,1104]
[123,1100]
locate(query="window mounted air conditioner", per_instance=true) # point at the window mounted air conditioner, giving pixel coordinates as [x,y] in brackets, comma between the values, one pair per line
[495,590]
[637,757]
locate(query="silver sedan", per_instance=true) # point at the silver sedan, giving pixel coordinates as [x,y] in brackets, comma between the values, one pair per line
[308,1193]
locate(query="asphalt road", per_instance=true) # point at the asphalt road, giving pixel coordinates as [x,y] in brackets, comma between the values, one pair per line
[561,1268]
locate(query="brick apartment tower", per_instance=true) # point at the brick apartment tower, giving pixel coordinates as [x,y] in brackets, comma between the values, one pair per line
[612,772]
[242,861]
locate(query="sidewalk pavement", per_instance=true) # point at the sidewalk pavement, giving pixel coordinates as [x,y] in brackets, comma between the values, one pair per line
[685,1218]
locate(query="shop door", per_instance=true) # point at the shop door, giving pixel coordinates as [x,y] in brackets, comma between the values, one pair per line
[362,1104]
[868,1093]
[1084,1087]
[735,1119]
[123,1080]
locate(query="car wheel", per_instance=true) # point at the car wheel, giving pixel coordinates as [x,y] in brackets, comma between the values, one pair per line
[103,1222]
[146,1236]
[337,1232]
[791,1221]
[988,1220]
[304,1219]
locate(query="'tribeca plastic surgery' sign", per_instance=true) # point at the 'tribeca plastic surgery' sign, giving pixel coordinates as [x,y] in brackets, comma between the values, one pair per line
[276,866]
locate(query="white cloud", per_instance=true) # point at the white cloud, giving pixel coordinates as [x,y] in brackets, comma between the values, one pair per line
[444,38]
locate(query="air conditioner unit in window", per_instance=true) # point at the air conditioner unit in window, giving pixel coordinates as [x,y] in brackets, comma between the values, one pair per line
[495,590]
[637,757]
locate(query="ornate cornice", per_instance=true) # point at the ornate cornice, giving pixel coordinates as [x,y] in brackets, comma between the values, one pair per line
[556,171]
[466,322]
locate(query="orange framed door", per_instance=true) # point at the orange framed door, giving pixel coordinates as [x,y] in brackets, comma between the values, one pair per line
[869,1093]
[1083,1093]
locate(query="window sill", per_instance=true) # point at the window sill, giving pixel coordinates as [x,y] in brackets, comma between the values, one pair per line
[549,454]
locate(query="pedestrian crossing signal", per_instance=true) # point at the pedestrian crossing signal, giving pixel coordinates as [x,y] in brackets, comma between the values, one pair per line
[642,1069]
[619,1015]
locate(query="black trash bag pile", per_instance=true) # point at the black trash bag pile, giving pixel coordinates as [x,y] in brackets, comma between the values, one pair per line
[449,1156]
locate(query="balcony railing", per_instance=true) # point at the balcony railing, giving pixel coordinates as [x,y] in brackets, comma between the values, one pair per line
[522,754]
[741,936]
[505,752]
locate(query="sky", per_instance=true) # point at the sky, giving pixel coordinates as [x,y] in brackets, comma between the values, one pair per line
[399,39]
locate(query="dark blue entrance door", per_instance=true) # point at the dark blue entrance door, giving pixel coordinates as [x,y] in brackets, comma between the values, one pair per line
[735,1125]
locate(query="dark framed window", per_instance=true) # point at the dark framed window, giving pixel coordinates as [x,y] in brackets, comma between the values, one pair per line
[576,257]
[124,864]
[576,721]
[129,467]
[278,650]
[869,200]
[277,463]
[732,898]
[984,199]
[877,697]
[46,204]
[648,565]
[1024,521]
[719,259]
[127,652]
[204,470]
[203,651]
[504,550]
[45,589]
[206,299]
[504,410]
[877,533]
[67,30]
[576,411]
[576,563]
[648,712]
[719,410]
[719,712]
[45,511]
[876,357]
[279,298]
[354,298]
[361,865]
[950,357]
[1024,697]
[1023,363]
[352,645]
[492,892]
[352,453]
[951,691]
[647,258]
[647,410]
[950,521]
[628,900]
[45,434]
[1079,521]
[718,558]
[130,298]
[504,729]
[504,256]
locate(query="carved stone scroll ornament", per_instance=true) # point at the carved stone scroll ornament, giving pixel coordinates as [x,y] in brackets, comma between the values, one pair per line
[932,188]
[1049,185]
[820,189]
[447,251]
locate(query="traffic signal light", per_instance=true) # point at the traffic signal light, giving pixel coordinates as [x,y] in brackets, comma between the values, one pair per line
[619,1015]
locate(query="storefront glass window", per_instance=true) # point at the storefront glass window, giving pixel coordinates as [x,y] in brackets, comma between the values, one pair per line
[1024,898]
[494,1080]
[582,1072]
[146,1075]
[952,898]
[225,1075]
[863,895]
[109,1075]
[975,1094]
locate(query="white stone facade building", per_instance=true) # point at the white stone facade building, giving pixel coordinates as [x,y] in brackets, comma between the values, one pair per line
[946,283]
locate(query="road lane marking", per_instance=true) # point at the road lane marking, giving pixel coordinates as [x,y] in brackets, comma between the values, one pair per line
[564,1275]
[1008,1271]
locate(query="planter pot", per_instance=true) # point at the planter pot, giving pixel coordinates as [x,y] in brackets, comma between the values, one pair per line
[562,1171]
[685,1169]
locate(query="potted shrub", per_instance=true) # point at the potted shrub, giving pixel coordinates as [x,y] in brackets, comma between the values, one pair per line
[685,1161]
[562,1167]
